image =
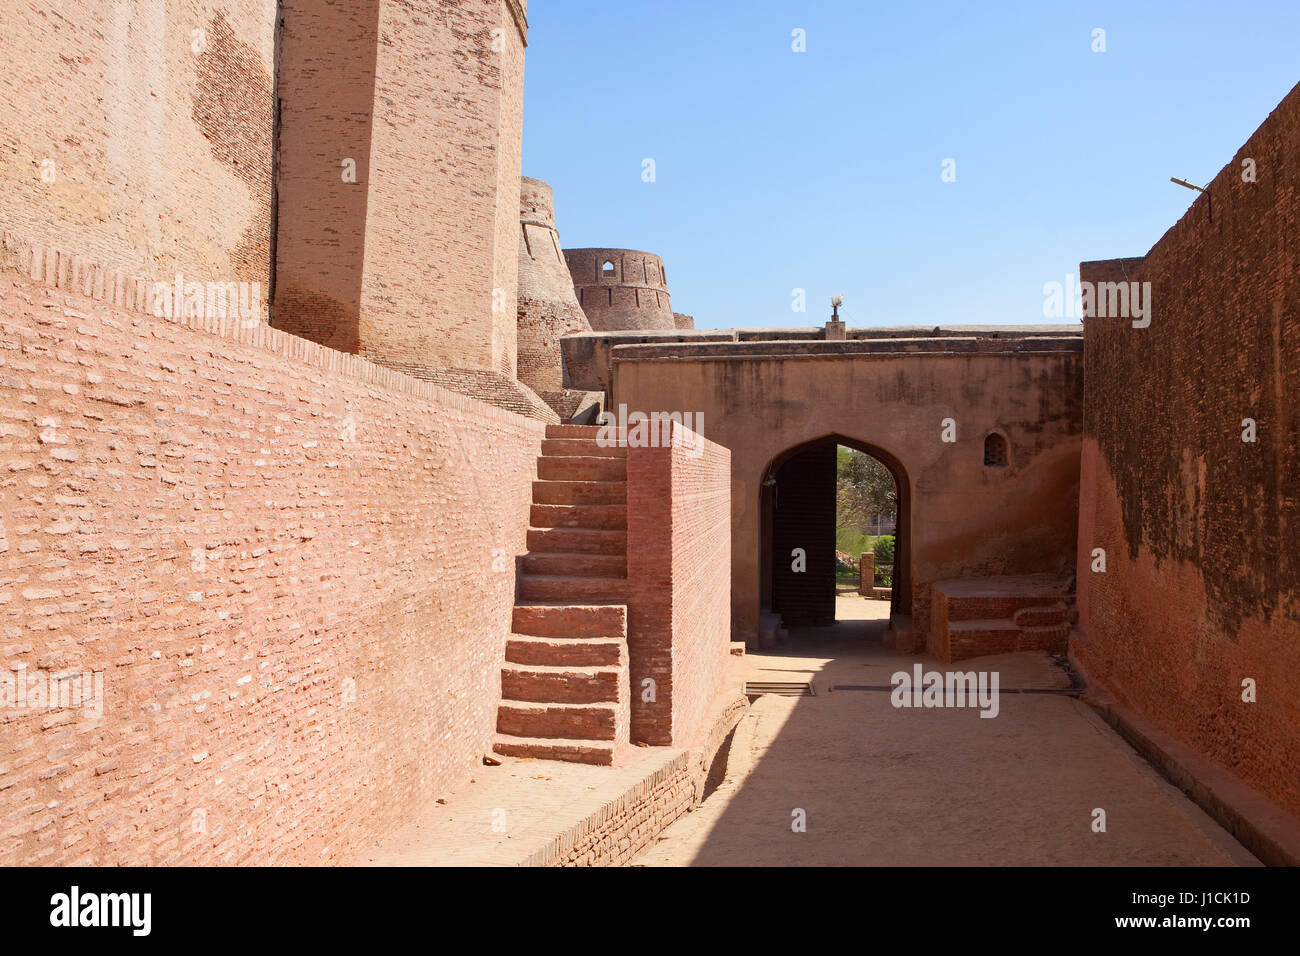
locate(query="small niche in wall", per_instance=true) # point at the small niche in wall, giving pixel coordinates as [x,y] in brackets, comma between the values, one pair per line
[995,451]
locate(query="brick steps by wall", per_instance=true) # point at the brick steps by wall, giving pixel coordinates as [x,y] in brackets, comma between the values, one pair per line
[600,752]
[595,721]
[570,620]
[564,685]
[576,564]
[584,447]
[558,652]
[1001,615]
[586,540]
[579,492]
[595,590]
[581,468]
[590,517]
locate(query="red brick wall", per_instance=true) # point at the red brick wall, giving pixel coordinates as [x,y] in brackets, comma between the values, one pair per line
[679,582]
[160,141]
[1202,581]
[400,266]
[294,569]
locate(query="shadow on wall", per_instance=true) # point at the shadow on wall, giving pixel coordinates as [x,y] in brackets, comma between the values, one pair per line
[326,115]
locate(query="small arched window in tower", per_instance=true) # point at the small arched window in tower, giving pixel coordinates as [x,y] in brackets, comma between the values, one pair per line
[607,270]
[995,451]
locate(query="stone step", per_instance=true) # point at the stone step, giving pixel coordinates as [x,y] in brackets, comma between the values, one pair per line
[570,652]
[586,540]
[575,564]
[598,752]
[582,468]
[981,607]
[569,721]
[978,637]
[570,621]
[549,684]
[572,589]
[1045,615]
[572,431]
[593,517]
[582,447]
[579,492]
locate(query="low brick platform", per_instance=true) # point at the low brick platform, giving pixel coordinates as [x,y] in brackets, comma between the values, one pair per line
[530,812]
[974,617]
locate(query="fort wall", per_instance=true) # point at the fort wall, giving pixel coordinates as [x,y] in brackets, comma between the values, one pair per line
[138,136]
[293,569]
[621,289]
[1201,588]
[548,306]
[399,180]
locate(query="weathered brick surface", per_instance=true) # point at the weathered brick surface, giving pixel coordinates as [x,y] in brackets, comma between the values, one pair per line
[160,155]
[548,306]
[678,584]
[631,295]
[1202,581]
[401,265]
[294,569]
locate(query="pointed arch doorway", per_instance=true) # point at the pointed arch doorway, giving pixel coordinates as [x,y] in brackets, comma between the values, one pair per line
[797,504]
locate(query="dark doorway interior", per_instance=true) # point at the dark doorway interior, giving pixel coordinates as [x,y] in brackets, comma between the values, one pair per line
[798,499]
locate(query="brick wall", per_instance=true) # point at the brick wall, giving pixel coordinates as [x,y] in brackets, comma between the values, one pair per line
[294,570]
[1202,581]
[679,581]
[152,120]
[400,265]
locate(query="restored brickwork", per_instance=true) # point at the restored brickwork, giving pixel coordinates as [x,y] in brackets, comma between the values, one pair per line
[1202,583]
[137,136]
[621,288]
[678,599]
[414,263]
[294,570]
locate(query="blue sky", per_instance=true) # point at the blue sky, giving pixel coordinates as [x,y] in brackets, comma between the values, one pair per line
[821,170]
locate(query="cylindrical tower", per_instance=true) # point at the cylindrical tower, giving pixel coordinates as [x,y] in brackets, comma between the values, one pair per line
[621,289]
[548,307]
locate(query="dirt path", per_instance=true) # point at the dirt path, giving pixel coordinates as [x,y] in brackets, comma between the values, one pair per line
[879,785]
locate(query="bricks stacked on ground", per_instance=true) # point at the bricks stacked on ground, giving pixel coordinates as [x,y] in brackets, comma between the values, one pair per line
[973,617]
[564,686]
[292,568]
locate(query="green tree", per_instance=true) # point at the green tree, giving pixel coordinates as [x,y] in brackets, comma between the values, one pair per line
[865,488]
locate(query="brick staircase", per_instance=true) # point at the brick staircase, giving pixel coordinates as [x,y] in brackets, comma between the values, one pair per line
[999,615]
[564,685]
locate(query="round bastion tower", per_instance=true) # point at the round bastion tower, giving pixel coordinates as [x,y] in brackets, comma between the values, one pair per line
[548,307]
[621,289]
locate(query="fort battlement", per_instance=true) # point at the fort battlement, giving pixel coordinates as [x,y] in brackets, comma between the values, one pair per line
[621,288]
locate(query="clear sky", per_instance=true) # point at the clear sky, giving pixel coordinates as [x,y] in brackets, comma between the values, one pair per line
[821,170]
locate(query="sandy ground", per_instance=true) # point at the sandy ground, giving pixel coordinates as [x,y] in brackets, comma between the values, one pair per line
[885,786]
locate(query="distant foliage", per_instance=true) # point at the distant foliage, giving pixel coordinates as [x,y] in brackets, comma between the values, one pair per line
[864,489]
[885,549]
